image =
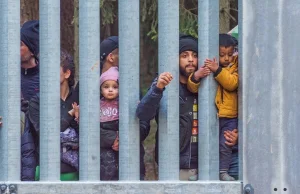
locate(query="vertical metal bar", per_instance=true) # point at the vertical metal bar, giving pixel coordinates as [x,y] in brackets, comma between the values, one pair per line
[129,88]
[168,56]
[10,90]
[49,90]
[208,33]
[270,63]
[89,55]
[242,98]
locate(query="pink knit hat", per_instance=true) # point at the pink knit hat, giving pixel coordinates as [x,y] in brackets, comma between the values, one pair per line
[111,74]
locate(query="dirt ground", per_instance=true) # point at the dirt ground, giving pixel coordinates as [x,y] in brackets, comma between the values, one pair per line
[149,158]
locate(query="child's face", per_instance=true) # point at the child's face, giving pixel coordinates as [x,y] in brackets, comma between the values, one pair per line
[110,89]
[226,55]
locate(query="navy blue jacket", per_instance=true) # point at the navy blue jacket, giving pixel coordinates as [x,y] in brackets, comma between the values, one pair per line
[148,109]
[30,80]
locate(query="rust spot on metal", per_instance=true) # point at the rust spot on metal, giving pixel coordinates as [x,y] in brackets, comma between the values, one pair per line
[95,66]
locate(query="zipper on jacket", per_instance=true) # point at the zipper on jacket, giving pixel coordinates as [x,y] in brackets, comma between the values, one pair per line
[25,71]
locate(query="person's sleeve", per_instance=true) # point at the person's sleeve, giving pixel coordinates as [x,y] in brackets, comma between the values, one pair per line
[229,81]
[34,112]
[66,121]
[107,138]
[147,108]
[193,84]
[144,130]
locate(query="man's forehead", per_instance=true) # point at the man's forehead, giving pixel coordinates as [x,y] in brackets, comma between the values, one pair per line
[188,52]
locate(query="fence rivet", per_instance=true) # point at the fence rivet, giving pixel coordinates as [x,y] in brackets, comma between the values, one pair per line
[247,189]
[3,187]
[12,187]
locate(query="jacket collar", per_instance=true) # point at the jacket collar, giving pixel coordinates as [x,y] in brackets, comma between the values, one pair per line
[30,71]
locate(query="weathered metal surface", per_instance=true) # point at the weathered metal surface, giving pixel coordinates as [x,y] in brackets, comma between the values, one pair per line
[270,95]
[49,82]
[89,72]
[129,45]
[208,46]
[131,187]
[168,61]
[10,90]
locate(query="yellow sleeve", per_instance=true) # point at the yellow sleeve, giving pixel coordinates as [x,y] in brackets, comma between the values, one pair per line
[192,86]
[229,81]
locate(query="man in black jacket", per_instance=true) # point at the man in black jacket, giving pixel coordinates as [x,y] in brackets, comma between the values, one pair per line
[29,52]
[149,105]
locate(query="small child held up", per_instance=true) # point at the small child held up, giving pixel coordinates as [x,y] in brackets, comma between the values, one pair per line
[226,74]
[109,124]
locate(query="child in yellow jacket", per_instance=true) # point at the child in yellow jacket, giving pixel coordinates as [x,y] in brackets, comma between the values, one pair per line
[226,74]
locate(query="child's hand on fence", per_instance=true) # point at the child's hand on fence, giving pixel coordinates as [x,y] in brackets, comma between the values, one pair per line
[212,64]
[231,137]
[202,72]
[164,79]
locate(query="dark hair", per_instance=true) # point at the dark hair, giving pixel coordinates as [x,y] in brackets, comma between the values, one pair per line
[67,63]
[227,40]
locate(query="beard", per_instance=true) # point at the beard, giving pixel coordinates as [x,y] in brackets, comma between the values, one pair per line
[185,73]
[25,59]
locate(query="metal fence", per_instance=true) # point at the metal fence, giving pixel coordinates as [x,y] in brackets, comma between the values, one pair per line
[268,99]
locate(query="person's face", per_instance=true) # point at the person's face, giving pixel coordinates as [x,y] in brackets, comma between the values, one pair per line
[64,76]
[188,63]
[226,55]
[110,89]
[25,53]
[115,57]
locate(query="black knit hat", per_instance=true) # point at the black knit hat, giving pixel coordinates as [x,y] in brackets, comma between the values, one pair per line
[187,43]
[227,40]
[30,36]
[108,45]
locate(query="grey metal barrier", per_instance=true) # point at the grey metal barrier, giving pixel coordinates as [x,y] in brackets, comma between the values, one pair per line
[268,99]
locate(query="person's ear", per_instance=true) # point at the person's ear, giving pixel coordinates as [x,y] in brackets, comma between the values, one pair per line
[110,58]
[67,74]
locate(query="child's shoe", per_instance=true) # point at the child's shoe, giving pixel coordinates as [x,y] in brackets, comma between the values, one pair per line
[226,177]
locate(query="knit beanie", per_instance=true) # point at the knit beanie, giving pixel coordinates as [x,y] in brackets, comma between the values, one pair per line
[187,43]
[111,74]
[30,36]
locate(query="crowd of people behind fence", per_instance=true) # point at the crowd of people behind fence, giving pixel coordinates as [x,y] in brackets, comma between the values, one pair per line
[224,70]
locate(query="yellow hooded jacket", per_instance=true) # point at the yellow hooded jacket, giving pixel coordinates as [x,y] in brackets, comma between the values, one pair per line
[227,98]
